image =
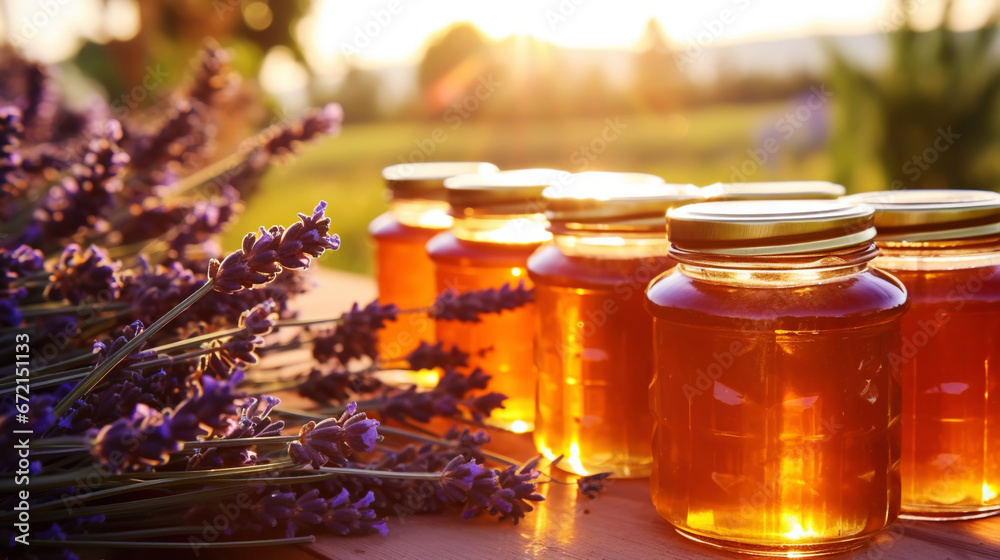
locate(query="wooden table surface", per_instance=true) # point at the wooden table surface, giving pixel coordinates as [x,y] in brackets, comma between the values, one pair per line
[620,523]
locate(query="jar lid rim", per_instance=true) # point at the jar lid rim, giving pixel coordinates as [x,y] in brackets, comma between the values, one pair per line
[773,190]
[770,227]
[933,214]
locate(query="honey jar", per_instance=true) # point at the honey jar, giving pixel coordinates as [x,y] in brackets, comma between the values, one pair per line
[944,245]
[594,340]
[498,225]
[776,398]
[403,271]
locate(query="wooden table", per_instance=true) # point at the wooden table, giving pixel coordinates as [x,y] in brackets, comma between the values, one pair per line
[620,523]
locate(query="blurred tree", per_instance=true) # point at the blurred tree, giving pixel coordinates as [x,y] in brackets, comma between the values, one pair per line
[451,66]
[595,97]
[660,84]
[929,119]
[171,31]
[359,96]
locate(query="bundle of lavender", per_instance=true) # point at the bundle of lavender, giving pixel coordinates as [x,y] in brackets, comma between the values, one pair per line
[133,410]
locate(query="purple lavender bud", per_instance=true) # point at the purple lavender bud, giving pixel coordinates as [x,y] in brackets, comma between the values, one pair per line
[309,237]
[308,511]
[205,219]
[22,261]
[210,404]
[213,76]
[316,122]
[484,405]
[12,175]
[469,306]
[238,351]
[87,195]
[10,313]
[430,356]
[260,319]
[467,443]
[458,477]
[335,439]
[273,507]
[178,141]
[336,385]
[358,518]
[516,490]
[131,331]
[135,442]
[355,335]
[591,485]
[84,274]
[253,423]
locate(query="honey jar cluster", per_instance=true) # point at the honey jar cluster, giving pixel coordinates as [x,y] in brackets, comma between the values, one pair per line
[792,368]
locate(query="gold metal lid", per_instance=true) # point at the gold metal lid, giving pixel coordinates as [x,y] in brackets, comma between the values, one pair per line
[933,215]
[512,192]
[612,203]
[770,227]
[775,190]
[425,180]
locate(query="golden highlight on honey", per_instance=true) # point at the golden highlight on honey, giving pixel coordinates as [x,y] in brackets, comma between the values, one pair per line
[498,225]
[594,341]
[404,272]
[945,248]
[776,403]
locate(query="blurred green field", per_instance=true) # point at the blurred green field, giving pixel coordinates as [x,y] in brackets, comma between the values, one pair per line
[698,147]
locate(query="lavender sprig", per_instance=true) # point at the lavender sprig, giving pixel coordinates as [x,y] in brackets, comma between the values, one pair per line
[469,306]
[253,423]
[86,196]
[264,255]
[239,350]
[355,335]
[304,240]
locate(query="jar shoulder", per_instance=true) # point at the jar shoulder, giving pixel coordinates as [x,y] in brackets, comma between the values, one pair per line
[870,295]
[548,265]
[385,226]
[445,247]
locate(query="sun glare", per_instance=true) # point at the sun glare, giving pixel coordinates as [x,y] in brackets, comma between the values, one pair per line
[395,32]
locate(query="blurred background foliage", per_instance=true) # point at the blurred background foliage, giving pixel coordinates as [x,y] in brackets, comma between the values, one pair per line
[928,119]
[866,111]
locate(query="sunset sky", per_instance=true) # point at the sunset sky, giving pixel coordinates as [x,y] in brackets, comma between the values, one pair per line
[379,37]
[597,23]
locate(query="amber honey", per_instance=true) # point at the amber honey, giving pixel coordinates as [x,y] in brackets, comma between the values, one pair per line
[777,402]
[945,248]
[404,272]
[594,341]
[498,225]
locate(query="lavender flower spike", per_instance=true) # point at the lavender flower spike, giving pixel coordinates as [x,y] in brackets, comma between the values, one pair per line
[270,251]
[81,274]
[469,306]
[335,439]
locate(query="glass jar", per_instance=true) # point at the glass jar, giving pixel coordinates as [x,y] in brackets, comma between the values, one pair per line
[498,225]
[773,190]
[944,245]
[775,397]
[405,275]
[594,341]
